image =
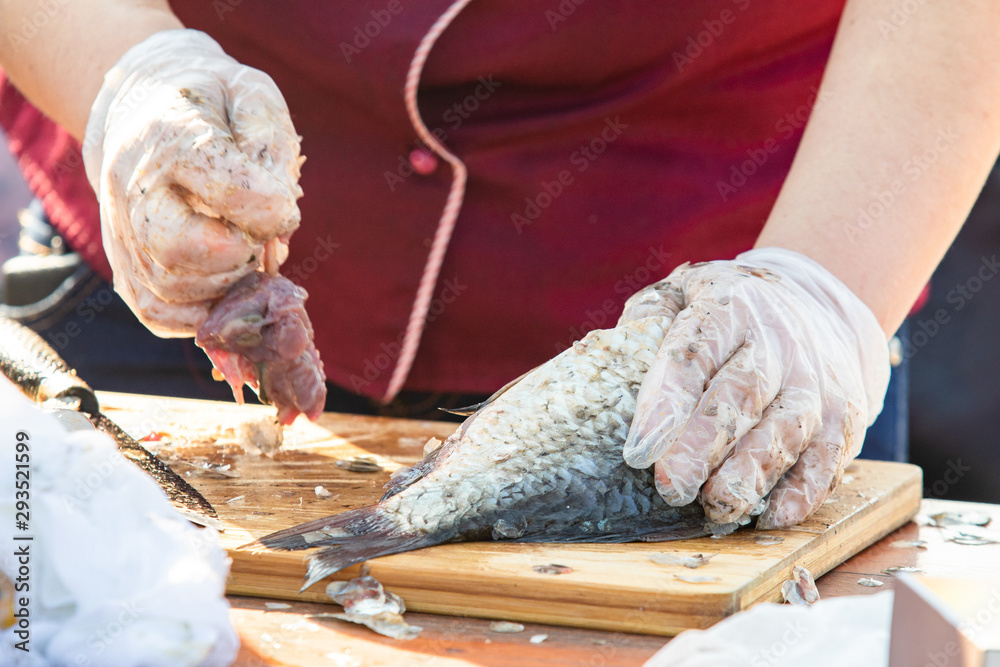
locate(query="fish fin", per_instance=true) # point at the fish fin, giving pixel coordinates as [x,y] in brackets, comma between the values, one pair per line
[329,530]
[472,409]
[353,537]
[403,478]
[336,558]
[462,412]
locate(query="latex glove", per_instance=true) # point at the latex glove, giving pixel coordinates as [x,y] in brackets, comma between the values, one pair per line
[196,164]
[767,378]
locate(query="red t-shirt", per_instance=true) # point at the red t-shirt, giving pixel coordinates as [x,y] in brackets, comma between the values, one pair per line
[605,144]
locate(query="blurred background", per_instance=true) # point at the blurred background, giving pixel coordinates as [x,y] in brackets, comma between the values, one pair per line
[14,195]
[954,388]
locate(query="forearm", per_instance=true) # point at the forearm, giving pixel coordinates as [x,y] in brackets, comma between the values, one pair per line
[895,154]
[60,66]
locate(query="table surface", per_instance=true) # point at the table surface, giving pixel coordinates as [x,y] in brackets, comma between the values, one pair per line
[290,638]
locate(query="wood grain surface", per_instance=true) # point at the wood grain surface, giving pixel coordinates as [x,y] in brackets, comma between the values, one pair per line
[293,638]
[610,587]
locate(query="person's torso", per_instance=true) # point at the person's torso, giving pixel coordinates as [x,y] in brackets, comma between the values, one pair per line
[605,144]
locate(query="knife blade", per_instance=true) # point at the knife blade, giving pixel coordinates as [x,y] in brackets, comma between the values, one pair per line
[41,374]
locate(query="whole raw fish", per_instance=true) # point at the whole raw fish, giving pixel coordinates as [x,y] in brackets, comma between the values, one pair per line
[541,461]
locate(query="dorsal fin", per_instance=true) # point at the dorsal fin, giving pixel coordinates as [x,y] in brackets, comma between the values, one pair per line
[472,409]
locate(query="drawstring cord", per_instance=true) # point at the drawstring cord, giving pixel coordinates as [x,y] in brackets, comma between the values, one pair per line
[446,224]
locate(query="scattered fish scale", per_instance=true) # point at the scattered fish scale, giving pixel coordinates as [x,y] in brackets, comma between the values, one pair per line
[697,578]
[943,519]
[969,535]
[276,606]
[900,568]
[506,627]
[539,462]
[801,588]
[692,561]
[909,544]
[360,464]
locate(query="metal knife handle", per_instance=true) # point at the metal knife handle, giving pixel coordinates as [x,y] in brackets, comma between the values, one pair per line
[38,370]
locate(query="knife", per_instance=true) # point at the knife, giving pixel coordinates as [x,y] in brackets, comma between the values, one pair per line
[38,371]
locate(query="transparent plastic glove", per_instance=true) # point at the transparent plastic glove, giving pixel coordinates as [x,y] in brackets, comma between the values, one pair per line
[770,373]
[195,162]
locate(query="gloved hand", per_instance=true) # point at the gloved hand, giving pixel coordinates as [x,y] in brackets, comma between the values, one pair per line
[768,376]
[195,162]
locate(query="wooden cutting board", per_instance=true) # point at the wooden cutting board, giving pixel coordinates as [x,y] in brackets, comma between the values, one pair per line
[610,587]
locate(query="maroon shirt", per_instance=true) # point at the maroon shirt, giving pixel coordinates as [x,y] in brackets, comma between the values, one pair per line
[605,142]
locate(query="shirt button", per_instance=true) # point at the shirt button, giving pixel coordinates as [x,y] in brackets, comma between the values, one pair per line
[423,161]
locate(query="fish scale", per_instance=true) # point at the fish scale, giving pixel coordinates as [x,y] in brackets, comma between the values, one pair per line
[564,480]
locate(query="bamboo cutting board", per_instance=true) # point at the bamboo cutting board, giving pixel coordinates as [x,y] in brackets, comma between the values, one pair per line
[609,587]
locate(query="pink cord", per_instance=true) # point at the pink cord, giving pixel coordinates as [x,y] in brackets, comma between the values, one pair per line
[442,235]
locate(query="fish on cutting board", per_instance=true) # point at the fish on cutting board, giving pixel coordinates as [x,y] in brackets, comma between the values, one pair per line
[541,461]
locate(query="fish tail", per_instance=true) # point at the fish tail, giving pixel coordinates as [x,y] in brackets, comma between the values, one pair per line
[351,537]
